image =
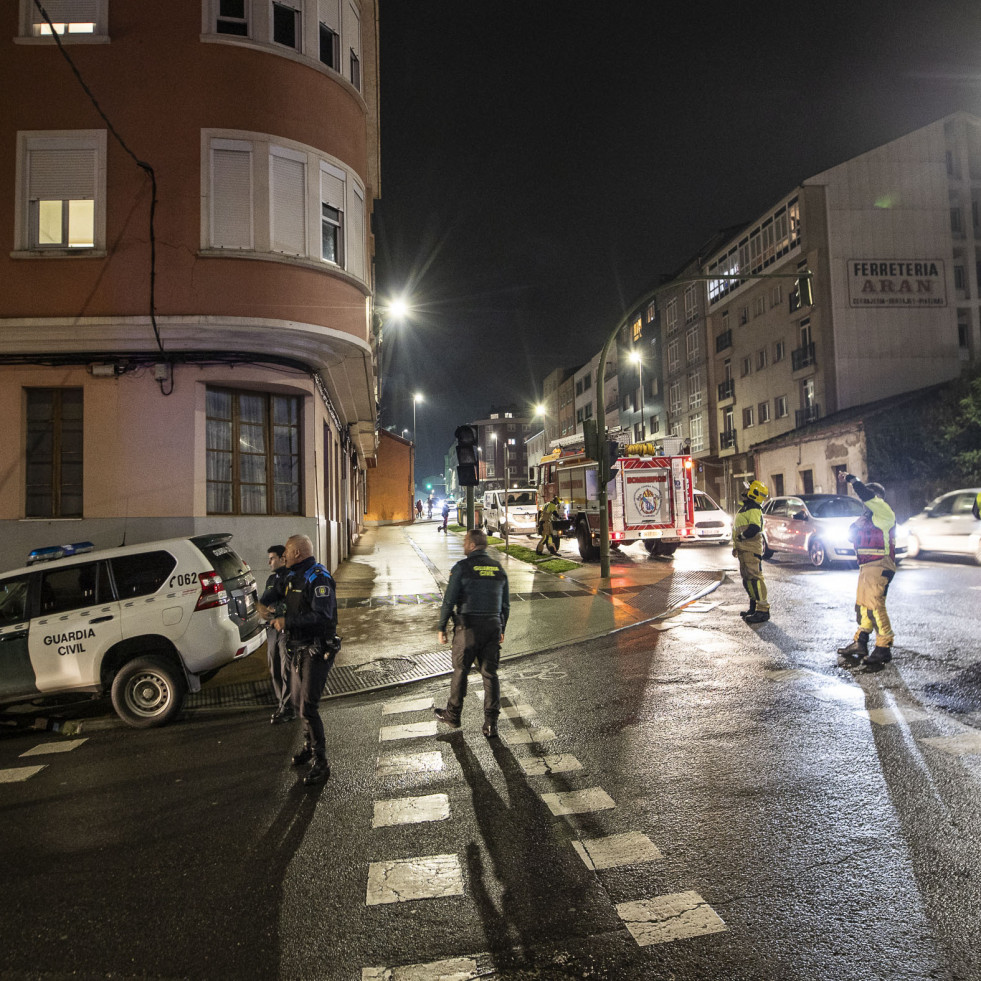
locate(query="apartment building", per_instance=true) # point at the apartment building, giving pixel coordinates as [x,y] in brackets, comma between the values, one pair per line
[585,388]
[212,369]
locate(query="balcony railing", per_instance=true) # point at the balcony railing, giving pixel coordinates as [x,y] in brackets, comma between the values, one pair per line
[727,439]
[810,413]
[802,357]
[723,341]
[727,389]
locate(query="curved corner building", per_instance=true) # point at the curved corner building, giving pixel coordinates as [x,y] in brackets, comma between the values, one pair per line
[213,370]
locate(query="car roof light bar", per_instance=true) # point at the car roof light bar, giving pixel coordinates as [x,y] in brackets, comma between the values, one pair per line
[51,552]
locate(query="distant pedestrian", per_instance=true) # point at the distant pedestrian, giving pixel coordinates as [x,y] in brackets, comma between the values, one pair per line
[550,538]
[419,508]
[747,546]
[310,624]
[874,538]
[271,606]
[446,515]
[477,600]
[429,506]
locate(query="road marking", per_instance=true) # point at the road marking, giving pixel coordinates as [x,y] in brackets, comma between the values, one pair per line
[453,969]
[397,764]
[966,744]
[60,747]
[411,730]
[520,737]
[426,877]
[411,810]
[894,715]
[540,766]
[518,711]
[704,640]
[631,848]
[407,705]
[579,801]
[19,773]
[665,918]
[788,674]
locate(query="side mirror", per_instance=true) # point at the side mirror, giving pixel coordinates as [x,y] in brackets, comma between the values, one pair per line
[800,516]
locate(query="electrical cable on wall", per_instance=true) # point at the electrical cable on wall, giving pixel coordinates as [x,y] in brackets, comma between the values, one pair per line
[145,167]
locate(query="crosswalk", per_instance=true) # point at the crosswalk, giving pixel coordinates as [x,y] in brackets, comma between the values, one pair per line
[17,774]
[407,722]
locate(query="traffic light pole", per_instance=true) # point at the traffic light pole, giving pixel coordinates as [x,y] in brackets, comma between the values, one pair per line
[602,464]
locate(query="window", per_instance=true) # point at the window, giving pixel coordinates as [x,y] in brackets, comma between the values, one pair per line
[691,304]
[759,306]
[74,587]
[780,406]
[778,351]
[692,346]
[253,453]
[54,453]
[807,481]
[956,225]
[776,296]
[671,314]
[725,319]
[285,25]
[142,574]
[674,396]
[651,312]
[331,214]
[743,316]
[776,483]
[330,38]
[959,277]
[636,328]
[13,601]
[747,365]
[352,36]
[73,20]
[61,178]
[761,359]
[674,355]
[763,412]
[231,194]
[696,434]
[695,390]
[232,18]
[748,419]
[655,424]
[287,201]
[587,382]
[963,330]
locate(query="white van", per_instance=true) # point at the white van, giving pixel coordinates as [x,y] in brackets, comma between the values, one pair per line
[514,510]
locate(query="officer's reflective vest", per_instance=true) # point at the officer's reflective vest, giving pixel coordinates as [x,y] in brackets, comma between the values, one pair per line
[874,534]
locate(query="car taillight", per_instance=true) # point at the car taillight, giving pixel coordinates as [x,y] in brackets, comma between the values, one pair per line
[212,591]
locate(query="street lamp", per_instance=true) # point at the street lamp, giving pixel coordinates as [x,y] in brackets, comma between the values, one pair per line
[635,356]
[416,399]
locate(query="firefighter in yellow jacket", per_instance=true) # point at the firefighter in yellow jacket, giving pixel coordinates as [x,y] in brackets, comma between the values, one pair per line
[874,537]
[747,546]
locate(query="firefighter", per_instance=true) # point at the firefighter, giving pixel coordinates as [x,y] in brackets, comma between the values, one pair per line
[874,537]
[550,539]
[747,546]
[976,508]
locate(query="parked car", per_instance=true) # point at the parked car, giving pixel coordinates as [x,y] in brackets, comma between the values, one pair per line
[515,509]
[143,622]
[816,525]
[712,524]
[947,524]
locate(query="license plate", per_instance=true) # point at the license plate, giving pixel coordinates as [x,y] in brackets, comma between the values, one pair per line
[650,533]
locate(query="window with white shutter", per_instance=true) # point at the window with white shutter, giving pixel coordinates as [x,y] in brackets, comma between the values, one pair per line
[332,208]
[355,231]
[231,195]
[61,180]
[287,201]
[329,23]
[352,40]
[72,20]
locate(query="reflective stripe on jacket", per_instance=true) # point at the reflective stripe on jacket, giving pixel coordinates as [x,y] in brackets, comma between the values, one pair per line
[874,534]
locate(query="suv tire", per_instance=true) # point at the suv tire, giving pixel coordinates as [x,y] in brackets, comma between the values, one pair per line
[148,691]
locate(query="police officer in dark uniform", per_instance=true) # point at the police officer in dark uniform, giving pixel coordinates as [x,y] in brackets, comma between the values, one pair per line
[310,624]
[477,599]
[276,655]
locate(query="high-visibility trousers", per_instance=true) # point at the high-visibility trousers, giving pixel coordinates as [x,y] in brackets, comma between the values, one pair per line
[751,570]
[870,601]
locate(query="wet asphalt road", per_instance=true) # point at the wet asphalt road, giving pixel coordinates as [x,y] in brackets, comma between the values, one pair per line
[825,824]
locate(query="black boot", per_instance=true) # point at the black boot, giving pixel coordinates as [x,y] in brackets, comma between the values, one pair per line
[750,611]
[757,616]
[880,655]
[857,650]
[304,756]
[490,728]
[317,773]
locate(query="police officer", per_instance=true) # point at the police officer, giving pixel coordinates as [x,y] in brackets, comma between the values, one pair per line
[310,623]
[477,599]
[874,537]
[276,656]
[747,546]
[550,539]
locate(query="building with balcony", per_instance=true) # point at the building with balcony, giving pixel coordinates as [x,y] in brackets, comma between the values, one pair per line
[185,318]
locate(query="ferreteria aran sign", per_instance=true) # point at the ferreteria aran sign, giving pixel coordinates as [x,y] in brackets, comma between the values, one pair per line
[896,283]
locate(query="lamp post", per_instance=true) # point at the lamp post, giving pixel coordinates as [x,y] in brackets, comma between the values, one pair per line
[416,399]
[635,356]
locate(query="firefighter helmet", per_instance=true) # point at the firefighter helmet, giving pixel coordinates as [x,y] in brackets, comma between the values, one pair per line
[757,492]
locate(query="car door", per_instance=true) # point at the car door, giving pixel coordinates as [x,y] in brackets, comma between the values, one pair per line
[934,530]
[962,524]
[16,671]
[773,523]
[796,529]
[77,620]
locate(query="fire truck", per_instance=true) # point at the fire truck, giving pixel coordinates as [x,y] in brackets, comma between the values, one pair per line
[649,498]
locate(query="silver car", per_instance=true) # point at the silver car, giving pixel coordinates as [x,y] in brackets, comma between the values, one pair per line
[947,524]
[816,525]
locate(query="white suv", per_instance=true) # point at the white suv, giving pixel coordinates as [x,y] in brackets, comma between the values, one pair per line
[144,622]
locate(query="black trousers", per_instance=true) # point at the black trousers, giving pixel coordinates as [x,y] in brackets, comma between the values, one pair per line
[476,639]
[307,680]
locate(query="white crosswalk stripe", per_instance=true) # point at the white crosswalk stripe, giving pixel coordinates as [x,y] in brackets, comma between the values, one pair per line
[61,747]
[663,918]
[411,810]
[18,773]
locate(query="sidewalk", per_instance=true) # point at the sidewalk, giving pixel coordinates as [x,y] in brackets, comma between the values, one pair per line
[389,593]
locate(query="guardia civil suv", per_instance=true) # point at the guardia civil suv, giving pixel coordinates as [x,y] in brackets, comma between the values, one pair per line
[144,623]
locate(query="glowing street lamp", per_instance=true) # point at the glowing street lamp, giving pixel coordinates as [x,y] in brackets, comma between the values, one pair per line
[636,358]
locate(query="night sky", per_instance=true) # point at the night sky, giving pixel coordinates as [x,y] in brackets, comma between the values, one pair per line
[544,163]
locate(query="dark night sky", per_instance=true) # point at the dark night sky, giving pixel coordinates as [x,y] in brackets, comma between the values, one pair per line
[543,163]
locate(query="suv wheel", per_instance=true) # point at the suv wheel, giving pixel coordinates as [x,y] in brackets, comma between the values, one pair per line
[584,538]
[148,691]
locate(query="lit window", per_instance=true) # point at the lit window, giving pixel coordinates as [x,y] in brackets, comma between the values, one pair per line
[70,19]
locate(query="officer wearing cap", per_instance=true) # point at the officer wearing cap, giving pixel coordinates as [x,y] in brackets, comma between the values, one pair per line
[874,538]
[747,546]
[310,623]
[477,599]
[276,656]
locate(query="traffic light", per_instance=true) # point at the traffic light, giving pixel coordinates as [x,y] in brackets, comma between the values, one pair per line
[466,456]
[590,433]
[610,463]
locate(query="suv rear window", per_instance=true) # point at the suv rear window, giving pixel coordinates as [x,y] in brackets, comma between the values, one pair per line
[223,558]
[74,587]
[140,575]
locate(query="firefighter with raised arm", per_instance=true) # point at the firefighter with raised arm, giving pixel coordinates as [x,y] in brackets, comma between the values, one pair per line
[747,546]
[874,538]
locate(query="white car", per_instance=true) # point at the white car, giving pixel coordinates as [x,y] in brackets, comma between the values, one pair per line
[712,524]
[143,622]
[947,524]
[514,510]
